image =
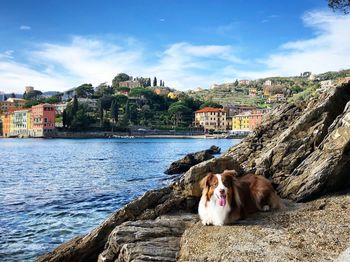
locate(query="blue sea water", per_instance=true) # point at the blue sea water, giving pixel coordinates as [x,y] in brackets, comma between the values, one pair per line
[53,190]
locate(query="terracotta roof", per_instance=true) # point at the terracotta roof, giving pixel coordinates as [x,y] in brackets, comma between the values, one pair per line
[210,109]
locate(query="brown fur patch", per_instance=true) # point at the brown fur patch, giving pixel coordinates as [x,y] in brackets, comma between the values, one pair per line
[208,184]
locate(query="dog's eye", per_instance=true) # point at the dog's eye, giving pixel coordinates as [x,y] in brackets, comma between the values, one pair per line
[226,183]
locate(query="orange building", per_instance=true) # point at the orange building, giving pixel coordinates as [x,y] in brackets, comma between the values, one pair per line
[6,124]
[43,120]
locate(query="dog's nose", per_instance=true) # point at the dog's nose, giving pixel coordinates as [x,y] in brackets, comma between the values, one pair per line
[222,191]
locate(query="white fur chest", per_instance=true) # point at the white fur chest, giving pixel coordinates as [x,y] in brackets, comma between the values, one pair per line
[211,213]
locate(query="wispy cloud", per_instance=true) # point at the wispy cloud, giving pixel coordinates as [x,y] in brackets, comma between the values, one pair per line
[328,50]
[8,54]
[25,27]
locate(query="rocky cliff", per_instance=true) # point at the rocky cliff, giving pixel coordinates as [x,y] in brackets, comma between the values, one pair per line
[304,148]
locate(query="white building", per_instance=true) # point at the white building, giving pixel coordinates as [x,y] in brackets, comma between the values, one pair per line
[60,108]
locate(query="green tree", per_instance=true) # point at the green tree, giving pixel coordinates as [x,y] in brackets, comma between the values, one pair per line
[178,111]
[210,104]
[64,118]
[33,95]
[103,89]
[119,78]
[84,91]
[114,111]
[75,105]
[30,103]
[342,5]
[81,120]
[54,99]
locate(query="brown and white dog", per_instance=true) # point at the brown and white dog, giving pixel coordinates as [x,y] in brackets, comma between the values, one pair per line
[226,199]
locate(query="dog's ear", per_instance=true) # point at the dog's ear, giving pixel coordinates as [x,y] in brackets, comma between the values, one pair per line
[232,173]
[205,181]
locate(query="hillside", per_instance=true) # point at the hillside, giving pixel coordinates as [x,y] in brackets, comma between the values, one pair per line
[257,92]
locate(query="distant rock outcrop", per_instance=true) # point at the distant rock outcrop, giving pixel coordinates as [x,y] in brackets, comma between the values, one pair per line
[184,164]
[303,148]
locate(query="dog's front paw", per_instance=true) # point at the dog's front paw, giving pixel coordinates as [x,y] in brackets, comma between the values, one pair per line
[206,222]
[266,208]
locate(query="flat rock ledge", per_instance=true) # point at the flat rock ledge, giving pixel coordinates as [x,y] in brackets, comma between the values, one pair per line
[315,231]
[148,240]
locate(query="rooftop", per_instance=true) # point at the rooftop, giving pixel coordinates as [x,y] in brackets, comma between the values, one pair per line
[210,109]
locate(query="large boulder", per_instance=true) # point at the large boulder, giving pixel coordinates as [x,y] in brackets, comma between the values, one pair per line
[303,148]
[184,164]
[189,182]
[147,240]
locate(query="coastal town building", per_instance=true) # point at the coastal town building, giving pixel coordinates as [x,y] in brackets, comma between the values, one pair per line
[29,89]
[276,98]
[232,110]
[43,120]
[244,82]
[247,121]
[268,83]
[60,108]
[162,91]
[38,121]
[89,102]
[211,119]
[172,95]
[253,92]
[6,120]
[11,103]
[130,84]
[20,125]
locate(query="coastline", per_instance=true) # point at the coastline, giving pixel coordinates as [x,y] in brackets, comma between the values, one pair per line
[94,135]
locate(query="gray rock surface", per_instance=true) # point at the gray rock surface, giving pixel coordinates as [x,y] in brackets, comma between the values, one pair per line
[315,231]
[303,148]
[148,240]
[184,164]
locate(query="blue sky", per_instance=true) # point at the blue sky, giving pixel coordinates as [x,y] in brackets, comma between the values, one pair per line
[56,45]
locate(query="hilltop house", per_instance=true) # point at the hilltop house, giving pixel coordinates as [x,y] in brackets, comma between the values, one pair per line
[244,82]
[130,84]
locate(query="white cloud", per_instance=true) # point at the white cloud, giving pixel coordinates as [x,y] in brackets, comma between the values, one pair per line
[328,50]
[86,60]
[25,27]
[8,54]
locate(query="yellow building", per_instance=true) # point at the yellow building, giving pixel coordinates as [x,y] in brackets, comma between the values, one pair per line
[240,122]
[211,119]
[172,95]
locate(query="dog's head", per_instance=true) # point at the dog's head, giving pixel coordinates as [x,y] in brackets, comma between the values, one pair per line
[219,185]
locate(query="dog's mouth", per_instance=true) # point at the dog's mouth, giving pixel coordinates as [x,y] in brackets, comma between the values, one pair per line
[222,199]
